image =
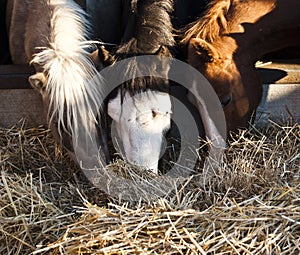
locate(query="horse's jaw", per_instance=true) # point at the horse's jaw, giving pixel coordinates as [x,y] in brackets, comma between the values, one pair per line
[141,122]
[143,150]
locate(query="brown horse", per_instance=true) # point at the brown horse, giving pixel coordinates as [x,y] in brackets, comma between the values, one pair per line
[225,44]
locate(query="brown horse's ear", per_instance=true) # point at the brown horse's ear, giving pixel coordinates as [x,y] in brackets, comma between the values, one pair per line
[102,57]
[38,81]
[204,49]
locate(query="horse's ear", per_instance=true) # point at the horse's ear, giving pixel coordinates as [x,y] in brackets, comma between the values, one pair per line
[102,57]
[204,49]
[38,81]
[94,57]
[105,56]
[162,51]
[163,65]
[114,107]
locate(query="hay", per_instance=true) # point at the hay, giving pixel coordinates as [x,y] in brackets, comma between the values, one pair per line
[251,227]
[37,186]
[27,219]
[252,205]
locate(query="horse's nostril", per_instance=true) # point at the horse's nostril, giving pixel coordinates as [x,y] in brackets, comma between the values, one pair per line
[226,100]
[154,113]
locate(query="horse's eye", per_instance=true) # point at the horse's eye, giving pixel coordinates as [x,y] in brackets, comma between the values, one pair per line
[226,100]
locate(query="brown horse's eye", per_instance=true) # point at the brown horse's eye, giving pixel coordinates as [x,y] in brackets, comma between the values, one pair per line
[225,100]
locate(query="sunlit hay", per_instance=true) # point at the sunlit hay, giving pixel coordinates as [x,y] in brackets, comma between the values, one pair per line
[129,171]
[33,150]
[26,149]
[252,205]
[261,159]
[32,212]
[28,217]
[137,185]
[265,224]
[38,184]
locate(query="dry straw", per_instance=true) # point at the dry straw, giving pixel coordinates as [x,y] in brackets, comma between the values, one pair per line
[252,205]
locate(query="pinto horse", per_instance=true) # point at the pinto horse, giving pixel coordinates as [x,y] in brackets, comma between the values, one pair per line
[51,35]
[227,41]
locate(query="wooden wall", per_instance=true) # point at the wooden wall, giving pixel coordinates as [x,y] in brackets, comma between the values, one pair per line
[18,101]
[281,94]
[281,97]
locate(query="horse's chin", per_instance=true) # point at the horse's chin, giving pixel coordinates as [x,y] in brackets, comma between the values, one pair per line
[151,166]
[143,152]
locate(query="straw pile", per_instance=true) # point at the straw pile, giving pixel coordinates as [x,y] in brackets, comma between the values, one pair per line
[252,205]
[37,186]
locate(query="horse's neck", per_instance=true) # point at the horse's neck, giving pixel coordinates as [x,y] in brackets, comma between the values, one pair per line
[15,19]
[153,25]
[21,18]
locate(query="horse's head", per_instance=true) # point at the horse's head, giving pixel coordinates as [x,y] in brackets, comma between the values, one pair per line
[141,121]
[238,98]
[224,50]
[140,107]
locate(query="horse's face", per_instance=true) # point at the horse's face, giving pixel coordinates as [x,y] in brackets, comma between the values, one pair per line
[141,122]
[39,81]
[225,78]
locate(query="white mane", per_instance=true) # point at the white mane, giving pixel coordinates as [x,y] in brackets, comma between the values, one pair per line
[73,83]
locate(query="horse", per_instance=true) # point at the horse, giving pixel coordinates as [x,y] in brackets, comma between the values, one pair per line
[227,41]
[67,75]
[52,36]
[141,107]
